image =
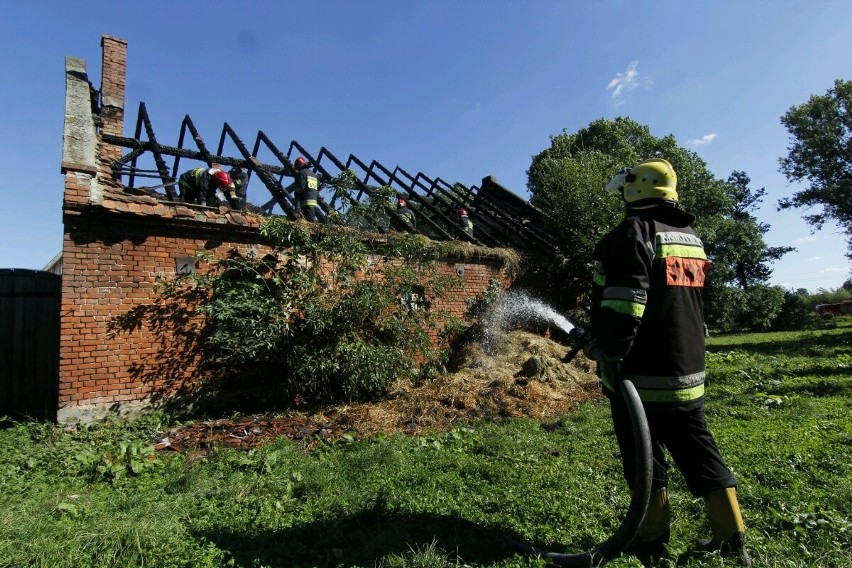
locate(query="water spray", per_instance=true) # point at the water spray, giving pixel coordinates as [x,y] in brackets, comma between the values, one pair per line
[517,308]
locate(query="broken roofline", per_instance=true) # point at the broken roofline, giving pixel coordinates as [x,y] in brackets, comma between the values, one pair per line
[437,218]
[502,219]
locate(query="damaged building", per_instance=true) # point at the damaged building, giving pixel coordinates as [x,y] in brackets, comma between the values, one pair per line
[125,227]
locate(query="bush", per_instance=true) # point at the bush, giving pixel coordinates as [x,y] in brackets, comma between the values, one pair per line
[762,305]
[796,312]
[726,302]
[299,323]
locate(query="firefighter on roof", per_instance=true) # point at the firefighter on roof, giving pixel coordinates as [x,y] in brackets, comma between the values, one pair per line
[239,177]
[199,185]
[305,188]
[405,213]
[464,222]
[647,317]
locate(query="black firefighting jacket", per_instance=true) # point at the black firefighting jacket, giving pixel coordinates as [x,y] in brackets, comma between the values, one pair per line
[407,215]
[647,307]
[306,187]
[196,186]
[240,179]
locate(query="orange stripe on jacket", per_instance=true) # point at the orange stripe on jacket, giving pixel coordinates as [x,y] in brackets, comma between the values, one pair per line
[689,272]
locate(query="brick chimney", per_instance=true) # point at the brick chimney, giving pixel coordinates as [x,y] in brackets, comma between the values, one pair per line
[113,80]
[79,136]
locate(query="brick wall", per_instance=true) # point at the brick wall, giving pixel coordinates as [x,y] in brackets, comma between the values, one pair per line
[114,356]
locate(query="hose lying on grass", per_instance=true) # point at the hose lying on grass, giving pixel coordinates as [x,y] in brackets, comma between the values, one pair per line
[641,493]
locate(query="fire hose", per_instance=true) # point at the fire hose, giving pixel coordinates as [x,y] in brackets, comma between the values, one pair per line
[641,487]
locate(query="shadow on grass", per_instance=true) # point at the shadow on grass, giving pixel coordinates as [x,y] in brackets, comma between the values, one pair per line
[825,387]
[822,345]
[364,539]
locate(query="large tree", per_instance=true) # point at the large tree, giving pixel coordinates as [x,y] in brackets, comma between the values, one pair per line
[567,181]
[820,153]
[740,254]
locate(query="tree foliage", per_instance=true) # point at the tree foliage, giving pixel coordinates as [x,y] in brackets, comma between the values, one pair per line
[820,153]
[567,181]
[737,289]
[371,213]
[796,312]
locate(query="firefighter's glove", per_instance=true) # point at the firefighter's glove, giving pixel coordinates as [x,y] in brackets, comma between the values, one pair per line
[589,348]
[609,369]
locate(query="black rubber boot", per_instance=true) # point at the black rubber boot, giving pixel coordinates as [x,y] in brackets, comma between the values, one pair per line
[648,551]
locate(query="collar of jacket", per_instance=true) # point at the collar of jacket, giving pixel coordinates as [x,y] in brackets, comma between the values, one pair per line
[661,211]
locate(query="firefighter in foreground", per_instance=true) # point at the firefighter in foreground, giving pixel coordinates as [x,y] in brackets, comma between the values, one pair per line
[199,186]
[648,319]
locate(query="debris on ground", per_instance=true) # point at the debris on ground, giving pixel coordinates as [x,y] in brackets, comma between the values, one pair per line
[519,376]
[244,433]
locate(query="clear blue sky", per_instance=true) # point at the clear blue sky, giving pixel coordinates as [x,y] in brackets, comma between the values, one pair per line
[459,89]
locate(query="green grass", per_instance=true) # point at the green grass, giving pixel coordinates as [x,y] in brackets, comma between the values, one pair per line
[780,406]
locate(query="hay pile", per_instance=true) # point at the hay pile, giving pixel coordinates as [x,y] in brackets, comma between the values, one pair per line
[519,375]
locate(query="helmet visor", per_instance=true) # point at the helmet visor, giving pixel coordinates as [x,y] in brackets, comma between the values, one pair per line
[619,180]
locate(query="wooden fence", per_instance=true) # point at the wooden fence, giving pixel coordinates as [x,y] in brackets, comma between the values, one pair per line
[29,343]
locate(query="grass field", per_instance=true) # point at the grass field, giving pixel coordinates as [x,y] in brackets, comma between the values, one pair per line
[779,404]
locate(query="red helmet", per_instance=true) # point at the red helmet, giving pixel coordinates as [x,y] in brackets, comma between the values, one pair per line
[300,162]
[222,179]
[462,211]
[402,203]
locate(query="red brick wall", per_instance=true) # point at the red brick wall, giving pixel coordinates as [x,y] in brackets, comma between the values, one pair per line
[113,254]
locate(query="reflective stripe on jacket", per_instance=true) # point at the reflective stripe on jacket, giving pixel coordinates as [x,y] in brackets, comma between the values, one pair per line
[646,303]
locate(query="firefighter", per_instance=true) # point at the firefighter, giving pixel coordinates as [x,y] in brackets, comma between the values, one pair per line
[464,222]
[647,318]
[305,188]
[199,185]
[240,179]
[405,213]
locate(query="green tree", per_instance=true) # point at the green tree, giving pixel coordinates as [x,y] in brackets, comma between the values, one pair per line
[562,185]
[567,180]
[820,153]
[742,260]
[796,312]
[824,296]
[754,266]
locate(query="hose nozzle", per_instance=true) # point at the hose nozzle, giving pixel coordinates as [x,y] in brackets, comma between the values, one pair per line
[581,338]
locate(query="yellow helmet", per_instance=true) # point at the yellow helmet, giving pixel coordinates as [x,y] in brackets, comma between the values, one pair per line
[652,179]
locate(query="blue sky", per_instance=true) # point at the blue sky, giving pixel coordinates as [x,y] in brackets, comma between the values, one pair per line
[459,89]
